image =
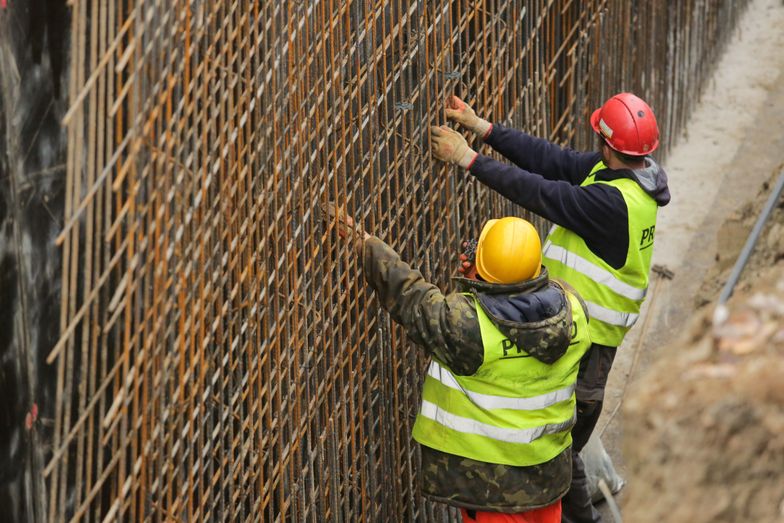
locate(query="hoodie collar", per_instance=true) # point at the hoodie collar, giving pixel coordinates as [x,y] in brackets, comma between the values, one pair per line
[483,287]
[652,179]
[534,314]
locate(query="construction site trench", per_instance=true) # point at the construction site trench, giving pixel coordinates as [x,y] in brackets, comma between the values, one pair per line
[185,337]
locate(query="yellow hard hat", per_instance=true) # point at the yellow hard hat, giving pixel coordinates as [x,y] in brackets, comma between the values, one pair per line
[509,251]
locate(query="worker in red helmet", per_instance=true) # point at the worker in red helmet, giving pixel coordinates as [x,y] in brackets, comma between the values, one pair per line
[604,205]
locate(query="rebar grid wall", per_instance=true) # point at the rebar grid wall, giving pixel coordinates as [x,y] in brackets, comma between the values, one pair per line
[220,358]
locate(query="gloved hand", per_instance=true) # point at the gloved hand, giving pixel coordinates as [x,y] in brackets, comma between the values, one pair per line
[449,146]
[459,111]
[468,260]
[345,224]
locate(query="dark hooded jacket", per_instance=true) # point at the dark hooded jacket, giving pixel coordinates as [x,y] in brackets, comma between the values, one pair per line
[545,179]
[534,314]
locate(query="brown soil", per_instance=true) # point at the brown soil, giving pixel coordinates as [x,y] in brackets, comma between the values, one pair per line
[707,419]
[730,240]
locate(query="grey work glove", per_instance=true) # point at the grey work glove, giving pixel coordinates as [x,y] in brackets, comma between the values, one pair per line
[460,112]
[449,146]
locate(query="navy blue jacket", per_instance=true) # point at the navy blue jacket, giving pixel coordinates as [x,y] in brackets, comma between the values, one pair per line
[545,179]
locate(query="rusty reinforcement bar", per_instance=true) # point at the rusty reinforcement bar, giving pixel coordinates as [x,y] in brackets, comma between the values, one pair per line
[220,358]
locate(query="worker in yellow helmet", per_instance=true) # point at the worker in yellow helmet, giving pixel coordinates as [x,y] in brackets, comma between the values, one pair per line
[498,399]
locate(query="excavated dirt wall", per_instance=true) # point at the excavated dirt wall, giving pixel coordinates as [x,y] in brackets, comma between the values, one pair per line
[704,438]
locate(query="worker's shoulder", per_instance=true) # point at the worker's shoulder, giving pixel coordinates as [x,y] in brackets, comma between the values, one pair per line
[453,312]
[572,297]
[461,310]
[602,196]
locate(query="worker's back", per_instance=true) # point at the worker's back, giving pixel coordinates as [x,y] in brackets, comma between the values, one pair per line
[516,409]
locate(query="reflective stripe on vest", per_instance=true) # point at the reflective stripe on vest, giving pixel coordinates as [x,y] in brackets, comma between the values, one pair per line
[621,319]
[470,426]
[613,296]
[515,410]
[488,401]
[593,271]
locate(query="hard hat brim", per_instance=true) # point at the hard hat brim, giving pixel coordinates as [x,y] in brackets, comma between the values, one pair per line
[480,266]
[595,120]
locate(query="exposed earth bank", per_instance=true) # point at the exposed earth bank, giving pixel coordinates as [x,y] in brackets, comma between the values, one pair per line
[704,428]
[694,414]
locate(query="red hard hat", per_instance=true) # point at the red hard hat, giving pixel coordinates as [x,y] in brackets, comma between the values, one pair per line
[627,124]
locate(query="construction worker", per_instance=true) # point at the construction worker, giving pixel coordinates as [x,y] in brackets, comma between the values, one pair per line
[604,205]
[498,399]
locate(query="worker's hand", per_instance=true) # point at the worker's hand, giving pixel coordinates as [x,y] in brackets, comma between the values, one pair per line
[460,112]
[449,146]
[346,226]
[467,258]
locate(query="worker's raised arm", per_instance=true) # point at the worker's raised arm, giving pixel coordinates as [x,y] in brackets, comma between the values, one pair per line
[446,327]
[540,156]
[597,212]
[527,152]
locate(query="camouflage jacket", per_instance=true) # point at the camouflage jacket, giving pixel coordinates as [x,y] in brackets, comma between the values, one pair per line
[447,327]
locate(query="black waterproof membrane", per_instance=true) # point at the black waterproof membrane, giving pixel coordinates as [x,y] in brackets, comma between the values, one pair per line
[33,60]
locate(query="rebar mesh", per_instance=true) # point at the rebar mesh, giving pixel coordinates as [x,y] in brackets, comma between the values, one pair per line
[220,357]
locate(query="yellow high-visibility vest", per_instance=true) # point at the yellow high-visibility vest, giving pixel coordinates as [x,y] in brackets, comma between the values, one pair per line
[515,410]
[613,296]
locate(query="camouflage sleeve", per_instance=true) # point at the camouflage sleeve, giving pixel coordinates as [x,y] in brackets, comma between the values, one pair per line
[446,327]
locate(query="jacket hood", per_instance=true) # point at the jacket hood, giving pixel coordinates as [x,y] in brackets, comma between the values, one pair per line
[653,180]
[534,314]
